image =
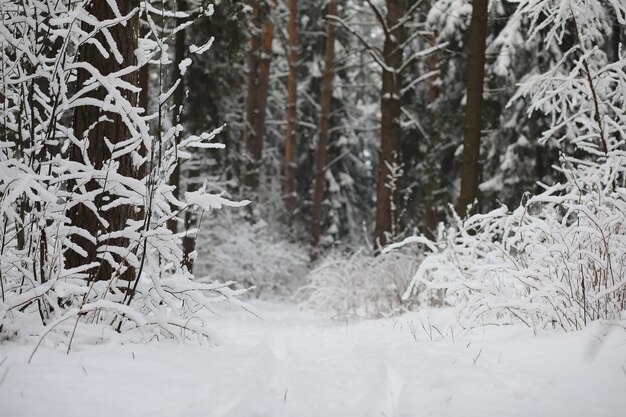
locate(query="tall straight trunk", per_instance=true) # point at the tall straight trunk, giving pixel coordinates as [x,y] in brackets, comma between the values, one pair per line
[251,97]
[259,58]
[292,113]
[387,196]
[470,172]
[177,101]
[320,160]
[433,145]
[94,125]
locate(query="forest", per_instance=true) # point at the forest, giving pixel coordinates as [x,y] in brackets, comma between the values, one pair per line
[313,207]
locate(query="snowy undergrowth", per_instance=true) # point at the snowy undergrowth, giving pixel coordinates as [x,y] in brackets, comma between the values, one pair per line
[230,248]
[57,204]
[360,285]
[558,260]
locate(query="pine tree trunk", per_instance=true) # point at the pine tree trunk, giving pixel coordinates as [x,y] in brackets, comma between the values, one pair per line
[387,197]
[433,145]
[251,97]
[144,100]
[177,102]
[88,125]
[259,58]
[470,172]
[292,113]
[320,160]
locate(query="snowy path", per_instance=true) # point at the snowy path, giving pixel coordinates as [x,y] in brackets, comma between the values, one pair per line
[295,364]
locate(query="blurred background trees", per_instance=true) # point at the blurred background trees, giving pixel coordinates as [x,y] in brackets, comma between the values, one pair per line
[388,134]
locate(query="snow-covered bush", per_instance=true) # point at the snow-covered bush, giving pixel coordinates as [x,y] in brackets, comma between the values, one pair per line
[231,248]
[55,201]
[560,258]
[360,285]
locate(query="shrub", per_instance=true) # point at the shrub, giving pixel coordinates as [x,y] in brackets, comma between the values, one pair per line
[360,285]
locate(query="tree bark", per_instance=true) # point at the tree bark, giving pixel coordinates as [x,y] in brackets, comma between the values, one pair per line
[292,113]
[387,196]
[93,128]
[259,58]
[470,172]
[320,160]
[177,101]
[433,145]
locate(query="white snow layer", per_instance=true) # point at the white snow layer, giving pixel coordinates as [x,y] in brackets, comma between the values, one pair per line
[296,364]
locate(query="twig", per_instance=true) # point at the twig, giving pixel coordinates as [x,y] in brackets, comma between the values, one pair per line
[597,116]
[476,358]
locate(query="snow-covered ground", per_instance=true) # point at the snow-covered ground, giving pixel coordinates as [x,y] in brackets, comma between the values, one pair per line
[297,364]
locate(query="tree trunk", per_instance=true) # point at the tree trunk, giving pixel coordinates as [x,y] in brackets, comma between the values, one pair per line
[90,127]
[618,36]
[470,172]
[177,101]
[320,160]
[292,113]
[259,58]
[433,145]
[387,196]
[144,101]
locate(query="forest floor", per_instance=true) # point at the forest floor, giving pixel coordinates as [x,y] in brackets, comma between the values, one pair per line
[294,363]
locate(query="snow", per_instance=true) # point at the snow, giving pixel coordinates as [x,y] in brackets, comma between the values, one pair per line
[201,49]
[295,363]
[184,64]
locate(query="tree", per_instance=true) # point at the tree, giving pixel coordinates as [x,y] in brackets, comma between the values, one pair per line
[389,170]
[400,30]
[432,164]
[349,172]
[177,104]
[470,174]
[569,235]
[93,248]
[259,58]
[292,113]
[94,129]
[320,160]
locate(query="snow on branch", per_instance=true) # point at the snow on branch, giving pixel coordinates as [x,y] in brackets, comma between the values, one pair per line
[61,183]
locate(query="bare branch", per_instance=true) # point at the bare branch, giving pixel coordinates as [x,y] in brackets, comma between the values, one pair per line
[407,16]
[375,52]
[421,54]
[418,80]
[380,18]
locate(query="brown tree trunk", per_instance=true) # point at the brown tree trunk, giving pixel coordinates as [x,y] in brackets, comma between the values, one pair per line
[177,101]
[387,197]
[251,97]
[259,59]
[90,126]
[433,145]
[144,101]
[320,160]
[470,173]
[292,113]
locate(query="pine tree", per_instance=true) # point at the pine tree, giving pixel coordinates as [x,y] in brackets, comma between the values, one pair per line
[470,174]
[388,193]
[259,58]
[97,127]
[320,160]
[292,113]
